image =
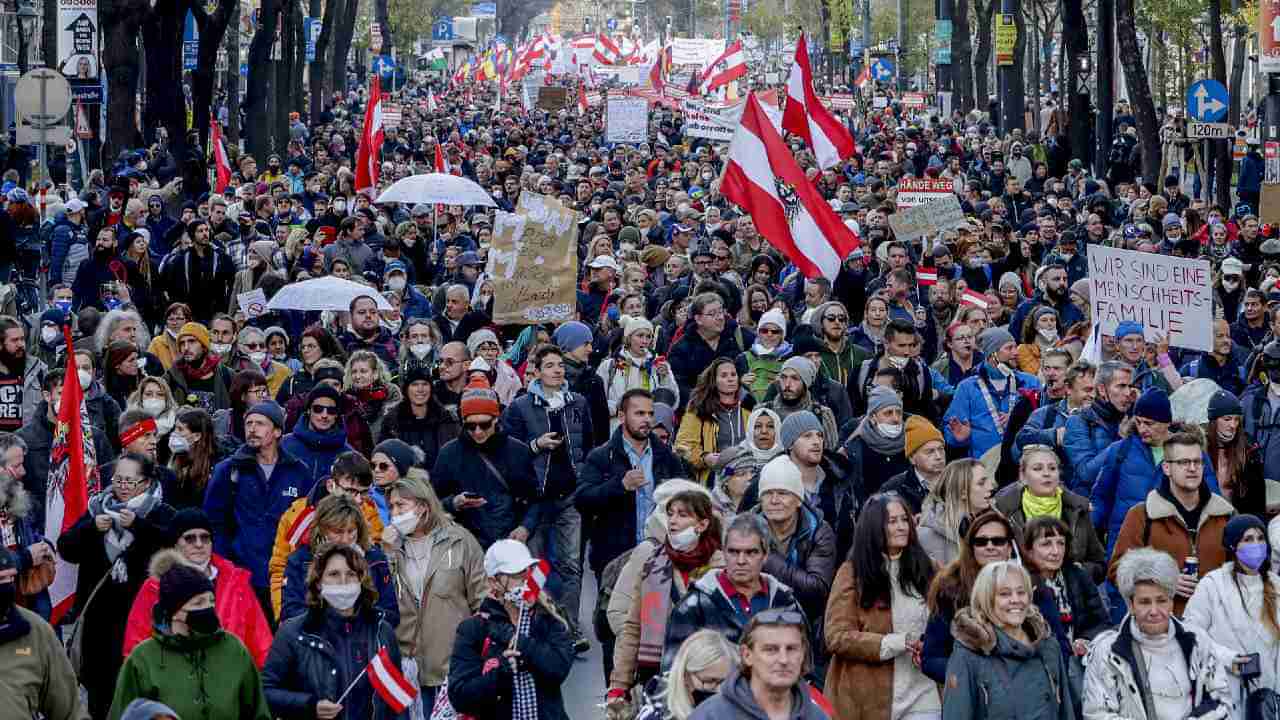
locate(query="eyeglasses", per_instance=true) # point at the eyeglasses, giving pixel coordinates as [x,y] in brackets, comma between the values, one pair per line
[381,465]
[474,426]
[324,409]
[768,331]
[127,482]
[197,538]
[1187,463]
[836,318]
[985,540]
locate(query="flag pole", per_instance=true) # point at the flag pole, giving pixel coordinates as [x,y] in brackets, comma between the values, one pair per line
[352,686]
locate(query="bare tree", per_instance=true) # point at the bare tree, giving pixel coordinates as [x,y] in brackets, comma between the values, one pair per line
[1135,75]
[962,56]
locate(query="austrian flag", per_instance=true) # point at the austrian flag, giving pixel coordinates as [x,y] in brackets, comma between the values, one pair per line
[300,531]
[974,298]
[927,277]
[538,575]
[394,690]
[731,65]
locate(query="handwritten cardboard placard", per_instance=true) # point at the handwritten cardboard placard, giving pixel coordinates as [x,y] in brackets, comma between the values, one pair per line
[1166,294]
[533,261]
[943,213]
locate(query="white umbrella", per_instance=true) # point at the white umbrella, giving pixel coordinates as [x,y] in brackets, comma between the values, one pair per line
[325,293]
[436,188]
[1190,402]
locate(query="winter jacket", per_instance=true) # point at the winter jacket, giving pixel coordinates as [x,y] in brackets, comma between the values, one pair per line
[1089,432]
[384,345]
[220,398]
[620,373]
[1127,474]
[245,507]
[690,355]
[1261,423]
[204,283]
[1228,606]
[452,591]
[986,664]
[1068,313]
[36,679]
[696,438]
[317,450]
[1156,523]
[839,500]
[601,496]
[969,405]
[1114,686]
[1086,549]
[236,605]
[293,596]
[708,607]
[201,678]
[1088,616]
[512,493]
[531,416]
[872,466]
[735,700]
[68,248]
[37,433]
[481,682]
[316,655]
[764,367]
[428,434]
[939,541]
[807,564]
[910,486]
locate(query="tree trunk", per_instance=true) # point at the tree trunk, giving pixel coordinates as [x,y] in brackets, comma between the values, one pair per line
[384,20]
[1221,148]
[1140,101]
[1236,87]
[982,61]
[231,78]
[165,105]
[346,22]
[321,86]
[962,56]
[256,104]
[213,33]
[119,22]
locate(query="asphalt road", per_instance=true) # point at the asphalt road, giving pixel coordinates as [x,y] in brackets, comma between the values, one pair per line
[584,690]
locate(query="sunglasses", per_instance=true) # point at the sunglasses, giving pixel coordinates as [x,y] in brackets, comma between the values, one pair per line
[768,331]
[474,426]
[984,541]
[779,617]
[197,538]
[836,318]
[381,465]
[324,409]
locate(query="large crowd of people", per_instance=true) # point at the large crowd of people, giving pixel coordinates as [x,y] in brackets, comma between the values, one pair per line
[901,493]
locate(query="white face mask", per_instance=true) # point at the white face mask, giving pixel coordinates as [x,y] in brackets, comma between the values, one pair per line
[889,430]
[685,539]
[1066,257]
[341,597]
[153,406]
[1048,334]
[515,596]
[178,443]
[420,350]
[219,348]
[49,335]
[897,362]
[395,284]
[257,358]
[86,378]
[393,325]
[405,523]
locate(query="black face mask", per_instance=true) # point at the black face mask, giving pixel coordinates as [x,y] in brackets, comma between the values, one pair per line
[203,622]
[701,696]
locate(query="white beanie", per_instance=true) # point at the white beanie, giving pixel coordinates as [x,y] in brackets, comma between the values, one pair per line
[781,473]
[773,316]
[632,325]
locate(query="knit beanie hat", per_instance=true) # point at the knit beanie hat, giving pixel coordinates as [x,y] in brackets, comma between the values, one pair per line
[1224,404]
[179,582]
[773,316]
[880,398]
[781,473]
[414,373]
[919,432]
[53,315]
[804,367]
[197,331]
[144,709]
[479,399]
[401,453]
[1154,405]
[571,336]
[664,416]
[324,390]
[1237,527]
[797,424]
[992,339]
[632,325]
[269,410]
[480,337]
[188,519]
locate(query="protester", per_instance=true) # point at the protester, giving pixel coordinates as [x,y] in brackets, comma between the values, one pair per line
[926,451]
[36,673]
[701,665]
[964,491]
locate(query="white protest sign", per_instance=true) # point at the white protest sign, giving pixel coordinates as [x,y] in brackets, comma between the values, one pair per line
[253,303]
[934,216]
[918,191]
[1166,294]
[624,74]
[627,120]
[714,122]
[696,51]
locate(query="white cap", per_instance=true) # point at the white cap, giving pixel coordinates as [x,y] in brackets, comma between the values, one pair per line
[507,557]
[604,261]
[781,473]
[479,365]
[1232,266]
[773,316]
[75,205]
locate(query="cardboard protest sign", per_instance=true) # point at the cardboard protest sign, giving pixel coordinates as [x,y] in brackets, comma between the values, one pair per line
[1166,294]
[533,261]
[553,97]
[918,191]
[934,216]
[627,120]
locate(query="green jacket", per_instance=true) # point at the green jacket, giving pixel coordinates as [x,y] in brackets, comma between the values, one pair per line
[204,678]
[35,675]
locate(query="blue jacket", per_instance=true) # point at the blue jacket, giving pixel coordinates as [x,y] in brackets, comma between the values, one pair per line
[1229,376]
[1258,427]
[1251,171]
[65,234]
[970,406]
[1042,429]
[293,598]
[414,304]
[1127,472]
[1089,432]
[245,508]
[314,449]
[529,417]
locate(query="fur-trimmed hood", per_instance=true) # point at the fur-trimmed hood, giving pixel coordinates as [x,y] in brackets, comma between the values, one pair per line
[164,561]
[980,636]
[14,498]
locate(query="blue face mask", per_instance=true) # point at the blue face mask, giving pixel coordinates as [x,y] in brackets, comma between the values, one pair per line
[111,303]
[63,305]
[1252,555]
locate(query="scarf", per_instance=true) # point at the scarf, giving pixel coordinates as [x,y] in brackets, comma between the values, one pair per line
[525,703]
[782,350]
[1035,506]
[869,431]
[625,362]
[194,373]
[369,400]
[119,538]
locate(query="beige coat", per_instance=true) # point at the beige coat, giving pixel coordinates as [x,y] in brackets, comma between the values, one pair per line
[451,593]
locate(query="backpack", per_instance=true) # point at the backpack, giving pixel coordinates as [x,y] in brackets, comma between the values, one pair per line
[77,252]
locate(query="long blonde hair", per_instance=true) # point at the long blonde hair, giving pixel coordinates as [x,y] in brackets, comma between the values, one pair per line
[952,490]
[699,651]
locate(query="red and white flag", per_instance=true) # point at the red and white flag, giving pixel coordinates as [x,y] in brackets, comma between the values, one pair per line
[221,164]
[299,532]
[817,698]
[974,298]
[73,475]
[606,51]
[538,574]
[863,78]
[432,105]
[441,165]
[762,176]
[370,139]
[731,65]
[391,685]
[927,277]
[582,100]
[806,116]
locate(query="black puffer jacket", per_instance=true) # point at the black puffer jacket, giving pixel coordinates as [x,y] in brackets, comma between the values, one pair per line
[512,494]
[481,683]
[706,606]
[316,655]
[430,433]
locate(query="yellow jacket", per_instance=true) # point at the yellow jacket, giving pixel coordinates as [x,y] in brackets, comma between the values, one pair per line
[282,548]
[696,438]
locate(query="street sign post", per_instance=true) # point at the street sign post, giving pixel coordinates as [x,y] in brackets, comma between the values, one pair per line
[42,98]
[1208,131]
[1006,38]
[1207,101]
[882,69]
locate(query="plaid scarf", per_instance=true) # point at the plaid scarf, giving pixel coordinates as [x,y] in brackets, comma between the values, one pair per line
[526,699]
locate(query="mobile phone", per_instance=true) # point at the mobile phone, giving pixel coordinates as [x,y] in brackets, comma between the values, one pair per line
[1250,668]
[471,496]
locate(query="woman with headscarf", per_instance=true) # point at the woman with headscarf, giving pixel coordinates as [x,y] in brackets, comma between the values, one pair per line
[113,542]
[741,463]
[1038,334]
[635,366]
[760,364]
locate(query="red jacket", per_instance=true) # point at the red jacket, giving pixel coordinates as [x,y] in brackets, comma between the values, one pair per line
[237,607]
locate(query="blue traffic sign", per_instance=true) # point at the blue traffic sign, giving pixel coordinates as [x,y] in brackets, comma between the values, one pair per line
[882,70]
[442,29]
[1207,101]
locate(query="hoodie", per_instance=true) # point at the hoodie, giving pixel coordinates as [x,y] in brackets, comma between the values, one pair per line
[735,700]
[317,450]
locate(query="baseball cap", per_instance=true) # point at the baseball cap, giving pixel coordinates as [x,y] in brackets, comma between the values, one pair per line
[469,258]
[1232,266]
[507,557]
[604,261]
[75,205]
